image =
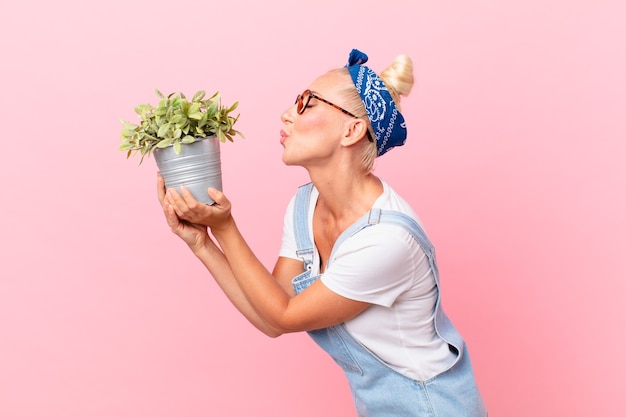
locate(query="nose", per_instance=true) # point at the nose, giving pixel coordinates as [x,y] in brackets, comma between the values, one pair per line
[289,114]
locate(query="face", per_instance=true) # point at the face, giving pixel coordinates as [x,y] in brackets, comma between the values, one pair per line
[313,126]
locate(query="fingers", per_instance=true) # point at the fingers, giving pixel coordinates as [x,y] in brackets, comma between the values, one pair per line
[160,187]
[219,198]
[170,216]
[189,199]
[185,205]
[174,200]
[186,208]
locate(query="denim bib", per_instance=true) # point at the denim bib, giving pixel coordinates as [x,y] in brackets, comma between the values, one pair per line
[377,389]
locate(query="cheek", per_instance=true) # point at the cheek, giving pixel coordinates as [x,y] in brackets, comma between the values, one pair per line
[309,122]
[318,127]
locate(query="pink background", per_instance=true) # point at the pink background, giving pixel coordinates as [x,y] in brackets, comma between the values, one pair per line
[516,163]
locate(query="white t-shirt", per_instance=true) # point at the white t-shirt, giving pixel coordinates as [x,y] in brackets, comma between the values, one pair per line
[383,265]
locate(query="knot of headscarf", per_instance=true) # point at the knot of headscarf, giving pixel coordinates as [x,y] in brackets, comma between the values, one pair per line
[388,123]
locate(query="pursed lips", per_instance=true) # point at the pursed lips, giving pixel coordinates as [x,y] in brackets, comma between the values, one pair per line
[283,136]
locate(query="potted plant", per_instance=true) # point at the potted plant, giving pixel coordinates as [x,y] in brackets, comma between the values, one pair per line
[184,137]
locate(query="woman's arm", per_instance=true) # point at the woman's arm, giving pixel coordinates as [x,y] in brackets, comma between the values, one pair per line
[267,293]
[213,258]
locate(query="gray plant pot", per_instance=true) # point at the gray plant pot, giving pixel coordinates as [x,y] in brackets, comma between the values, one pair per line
[198,167]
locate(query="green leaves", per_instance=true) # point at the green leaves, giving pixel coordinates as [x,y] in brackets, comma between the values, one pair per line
[176,121]
[198,96]
[163,131]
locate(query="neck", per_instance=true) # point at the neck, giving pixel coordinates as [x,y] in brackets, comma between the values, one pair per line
[344,194]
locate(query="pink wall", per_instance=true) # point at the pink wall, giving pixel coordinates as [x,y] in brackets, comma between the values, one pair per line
[518,124]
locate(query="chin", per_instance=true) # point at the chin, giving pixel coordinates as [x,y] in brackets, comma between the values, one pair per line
[286,160]
[293,159]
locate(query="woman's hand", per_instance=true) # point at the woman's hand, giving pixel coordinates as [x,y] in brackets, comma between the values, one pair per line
[187,208]
[195,235]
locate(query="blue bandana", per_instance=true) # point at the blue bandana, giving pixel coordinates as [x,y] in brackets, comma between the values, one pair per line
[387,122]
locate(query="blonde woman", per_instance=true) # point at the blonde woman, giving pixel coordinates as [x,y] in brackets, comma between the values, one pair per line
[355,269]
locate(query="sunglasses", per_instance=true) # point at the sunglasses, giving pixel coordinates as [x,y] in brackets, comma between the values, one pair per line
[303,99]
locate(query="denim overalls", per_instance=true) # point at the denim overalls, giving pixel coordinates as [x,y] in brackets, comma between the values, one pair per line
[377,389]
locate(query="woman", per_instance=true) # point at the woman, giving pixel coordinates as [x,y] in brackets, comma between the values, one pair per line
[355,270]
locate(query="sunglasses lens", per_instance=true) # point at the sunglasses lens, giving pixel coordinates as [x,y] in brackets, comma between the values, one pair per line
[299,103]
[302,101]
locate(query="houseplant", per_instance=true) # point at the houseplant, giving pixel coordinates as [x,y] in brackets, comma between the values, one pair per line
[184,137]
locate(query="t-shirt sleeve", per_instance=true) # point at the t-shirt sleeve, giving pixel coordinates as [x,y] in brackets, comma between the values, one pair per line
[375,265]
[288,246]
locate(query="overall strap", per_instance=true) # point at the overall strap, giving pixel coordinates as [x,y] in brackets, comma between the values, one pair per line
[304,243]
[443,325]
[376,216]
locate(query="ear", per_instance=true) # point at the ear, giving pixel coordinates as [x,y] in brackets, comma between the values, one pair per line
[355,130]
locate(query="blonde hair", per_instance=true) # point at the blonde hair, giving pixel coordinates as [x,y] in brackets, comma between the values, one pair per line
[398,78]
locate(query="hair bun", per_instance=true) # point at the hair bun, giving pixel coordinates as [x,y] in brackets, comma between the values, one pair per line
[399,75]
